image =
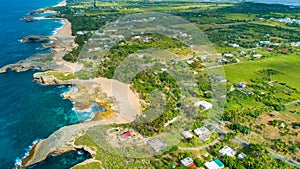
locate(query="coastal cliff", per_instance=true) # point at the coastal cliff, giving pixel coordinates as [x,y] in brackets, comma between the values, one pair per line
[59,142]
[53,78]
[35,38]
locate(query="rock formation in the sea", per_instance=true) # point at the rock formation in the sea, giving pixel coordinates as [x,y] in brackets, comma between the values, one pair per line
[38,61]
[59,142]
[36,38]
[28,19]
[35,12]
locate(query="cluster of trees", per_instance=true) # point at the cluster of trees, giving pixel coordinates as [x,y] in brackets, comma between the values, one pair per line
[239,127]
[258,8]
[257,157]
[281,146]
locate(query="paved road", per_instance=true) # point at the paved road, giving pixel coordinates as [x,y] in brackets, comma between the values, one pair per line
[293,102]
[294,163]
[200,147]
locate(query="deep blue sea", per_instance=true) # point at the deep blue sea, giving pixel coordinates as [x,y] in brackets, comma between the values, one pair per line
[29,111]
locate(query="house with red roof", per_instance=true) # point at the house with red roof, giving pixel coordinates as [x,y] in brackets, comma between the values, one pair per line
[125,135]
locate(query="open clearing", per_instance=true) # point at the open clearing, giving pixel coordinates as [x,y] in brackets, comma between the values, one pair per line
[288,65]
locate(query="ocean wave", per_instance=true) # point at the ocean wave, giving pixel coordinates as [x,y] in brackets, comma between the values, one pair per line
[57,29]
[89,113]
[18,161]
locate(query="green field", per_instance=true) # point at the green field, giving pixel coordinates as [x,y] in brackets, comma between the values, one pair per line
[288,65]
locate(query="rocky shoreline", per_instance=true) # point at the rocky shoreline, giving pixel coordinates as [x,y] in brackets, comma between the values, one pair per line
[119,108]
[122,105]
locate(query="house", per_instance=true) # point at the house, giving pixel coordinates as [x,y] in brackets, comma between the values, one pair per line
[204,104]
[241,84]
[264,42]
[215,164]
[186,135]
[125,136]
[295,44]
[242,52]
[164,69]
[229,55]
[140,55]
[204,137]
[241,156]
[188,162]
[257,56]
[219,78]
[79,33]
[234,45]
[190,62]
[228,151]
[203,133]
[136,37]
[202,58]
[157,144]
[200,131]
[221,60]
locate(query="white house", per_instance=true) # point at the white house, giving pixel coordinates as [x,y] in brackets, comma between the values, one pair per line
[219,78]
[234,45]
[204,104]
[212,165]
[257,56]
[215,164]
[164,69]
[241,84]
[229,55]
[186,134]
[189,62]
[228,151]
[241,156]
[188,162]
[201,131]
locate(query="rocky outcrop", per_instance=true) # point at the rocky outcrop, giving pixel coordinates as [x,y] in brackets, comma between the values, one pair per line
[35,12]
[59,142]
[28,19]
[39,61]
[47,46]
[48,78]
[35,38]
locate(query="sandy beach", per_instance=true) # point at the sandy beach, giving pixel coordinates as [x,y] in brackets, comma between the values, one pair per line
[65,31]
[63,3]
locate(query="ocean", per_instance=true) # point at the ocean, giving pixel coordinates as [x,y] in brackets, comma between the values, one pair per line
[30,111]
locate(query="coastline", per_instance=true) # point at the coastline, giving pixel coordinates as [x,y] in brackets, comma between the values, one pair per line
[63,3]
[63,32]
[126,104]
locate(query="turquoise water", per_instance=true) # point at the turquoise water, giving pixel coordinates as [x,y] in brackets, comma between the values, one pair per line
[29,111]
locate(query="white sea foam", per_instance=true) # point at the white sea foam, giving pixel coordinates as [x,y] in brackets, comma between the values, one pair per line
[18,161]
[57,29]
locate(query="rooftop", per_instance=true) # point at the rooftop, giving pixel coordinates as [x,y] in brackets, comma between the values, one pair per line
[187,161]
[228,151]
[186,134]
[157,144]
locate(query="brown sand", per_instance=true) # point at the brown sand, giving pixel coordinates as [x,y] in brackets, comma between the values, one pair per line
[65,31]
[63,3]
